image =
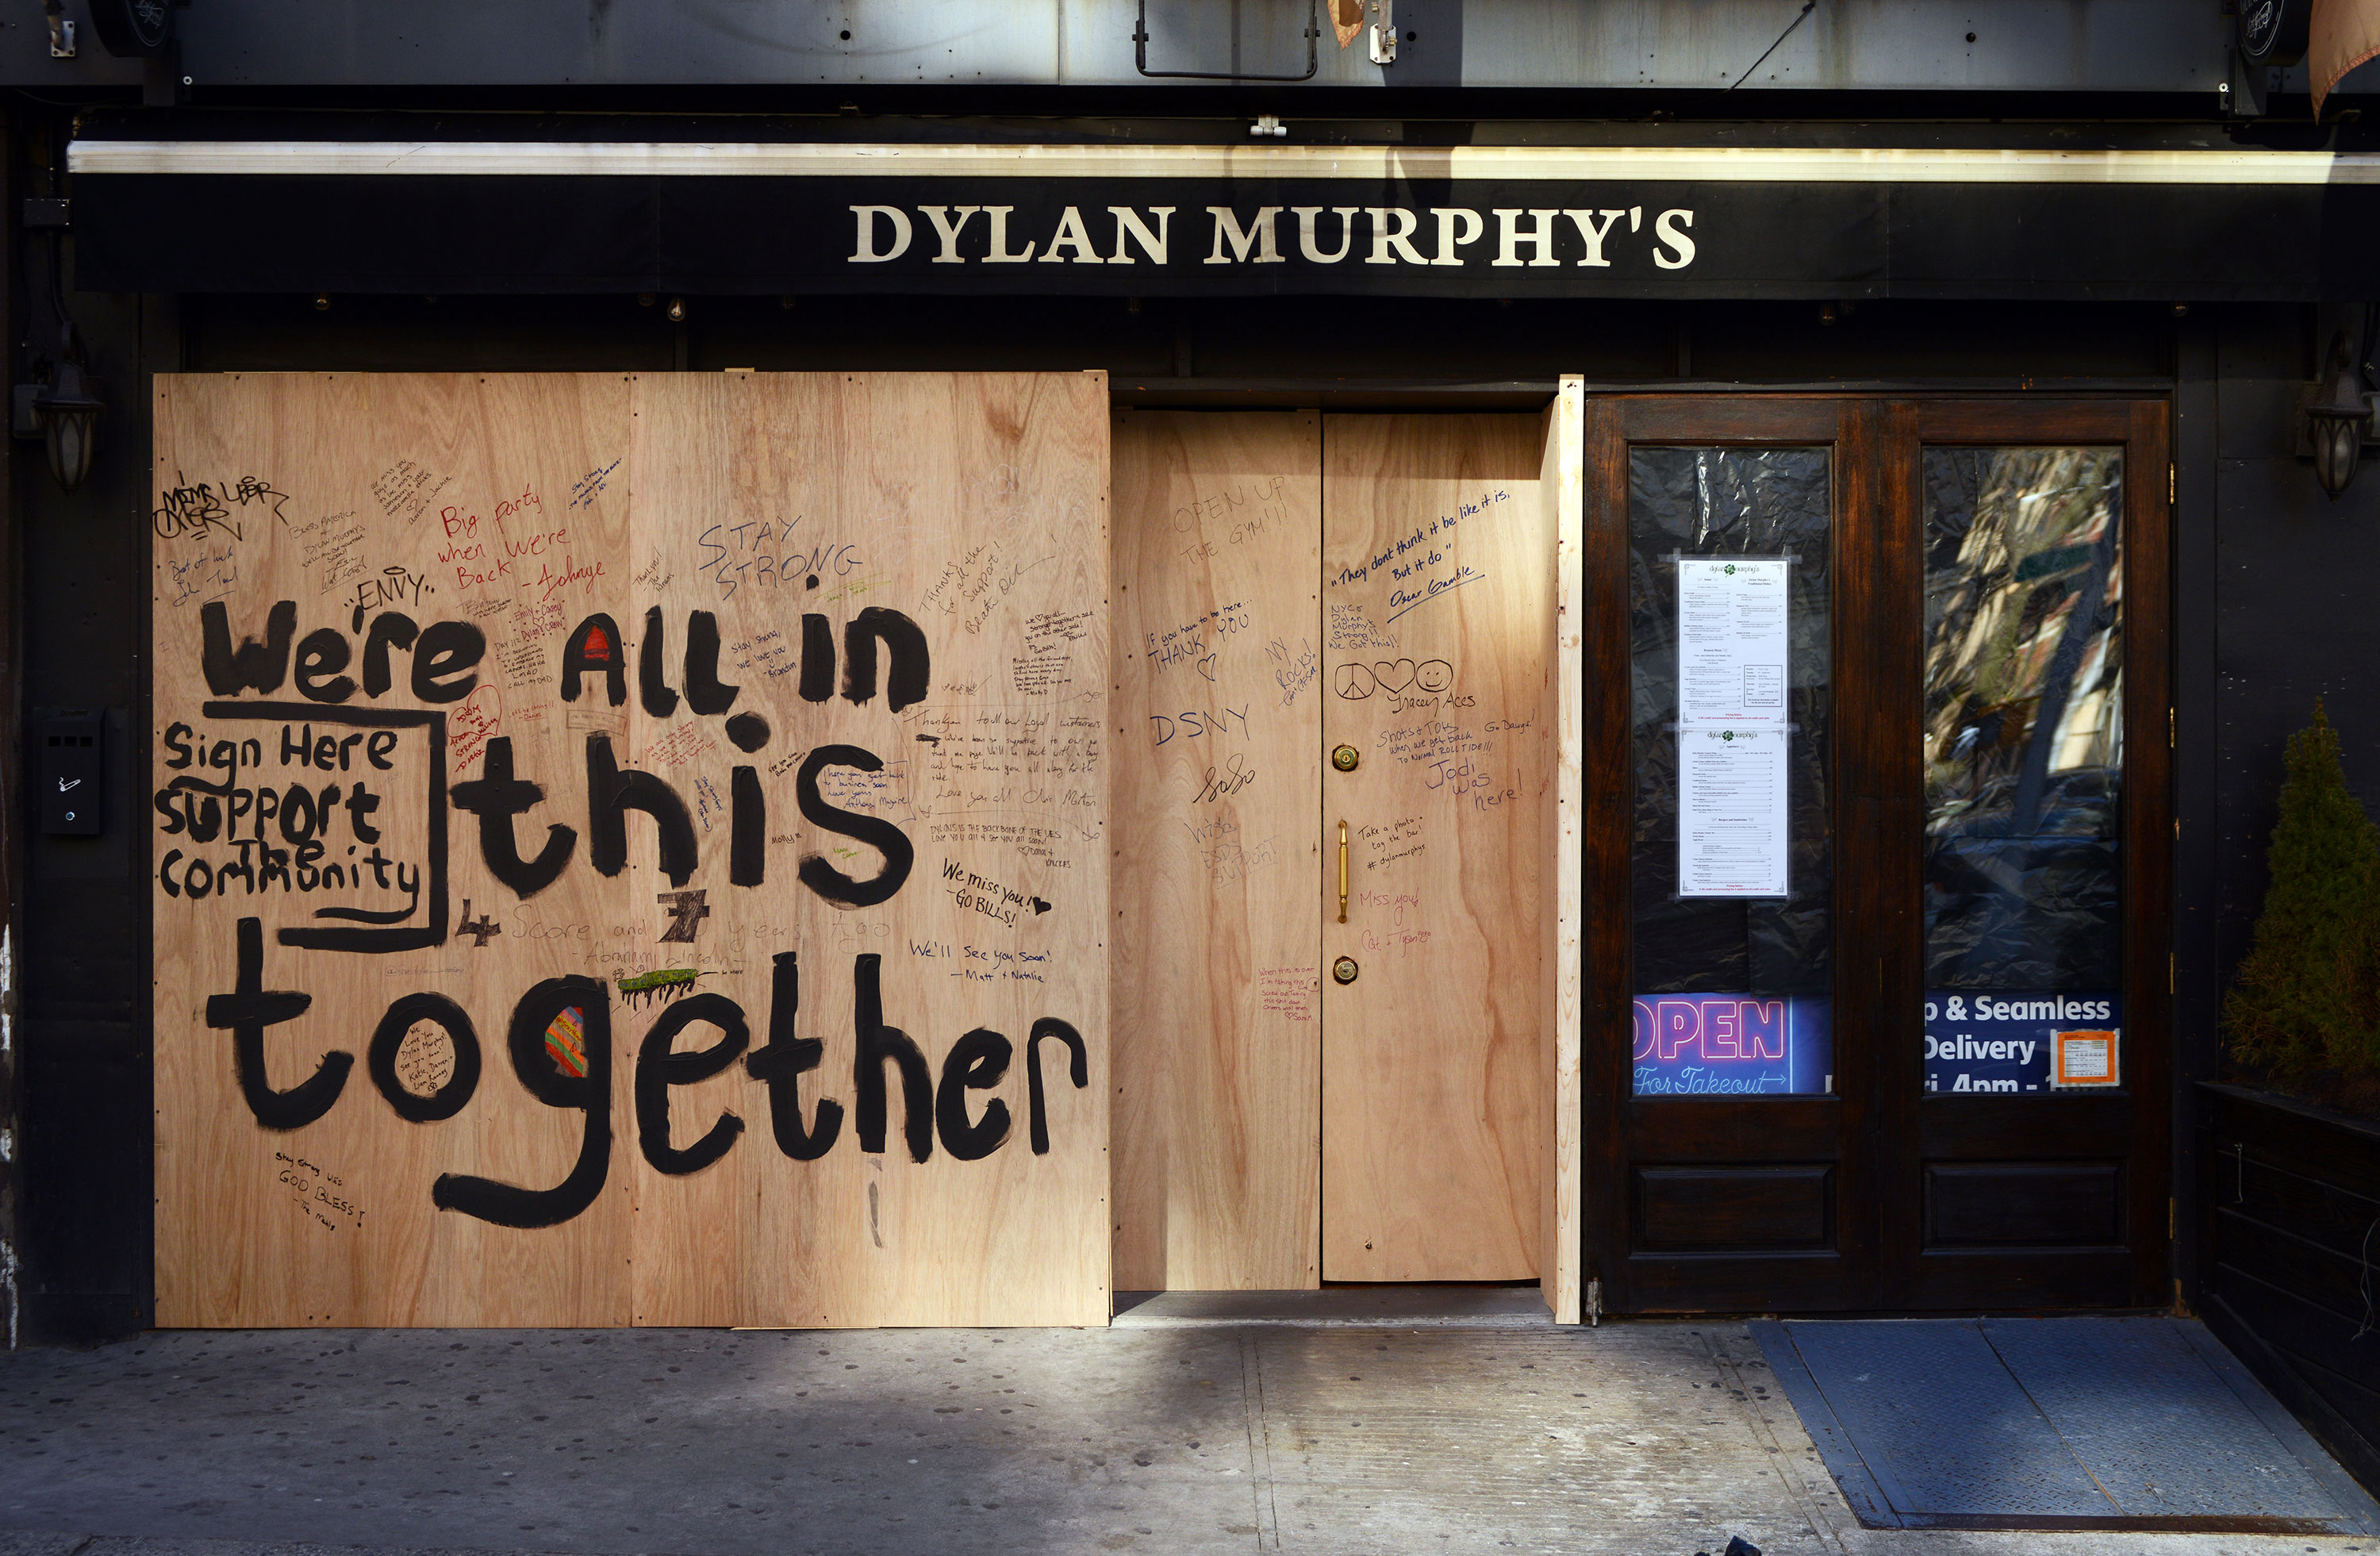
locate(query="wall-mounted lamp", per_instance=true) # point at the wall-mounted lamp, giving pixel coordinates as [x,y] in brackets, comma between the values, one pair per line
[56,400]
[68,413]
[2338,419]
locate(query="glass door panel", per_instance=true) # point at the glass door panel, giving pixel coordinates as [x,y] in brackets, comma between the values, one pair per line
[1731,614]
[1727,1152]
[2023,745]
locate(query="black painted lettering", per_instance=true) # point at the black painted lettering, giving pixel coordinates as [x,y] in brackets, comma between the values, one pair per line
[652,691]
[878,833]
[299,820]
[703,692]
[594,644]
[912,663]
[658,1069]
[389,627]
[748,731]
[361,803]
[322,655]
[445,662]
[612,792]
[747,833]
[976,1062]
[877,1043]
[560,1045]
[246,1011]
[782,1064]
[818,659]
[380,1059]
[258,666]
[1078,1071]
[496,796]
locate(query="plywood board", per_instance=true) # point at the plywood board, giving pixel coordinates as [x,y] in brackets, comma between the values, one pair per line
[538,853]
[1561,490]
[1218,721]
[317,516]
[789,508]
[1437,559]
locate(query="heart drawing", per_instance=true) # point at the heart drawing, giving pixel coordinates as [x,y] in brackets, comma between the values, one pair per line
[1393,677]
[1206,667]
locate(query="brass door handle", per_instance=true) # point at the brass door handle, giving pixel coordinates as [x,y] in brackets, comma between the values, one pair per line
[1343,872]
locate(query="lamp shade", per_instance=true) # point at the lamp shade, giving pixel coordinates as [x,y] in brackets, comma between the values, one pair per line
[2338,420]
[68,411]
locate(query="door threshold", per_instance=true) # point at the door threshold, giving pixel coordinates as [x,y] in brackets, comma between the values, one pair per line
[1337,1308]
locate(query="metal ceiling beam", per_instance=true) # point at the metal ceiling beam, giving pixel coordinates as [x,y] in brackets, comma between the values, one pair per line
[2014,46]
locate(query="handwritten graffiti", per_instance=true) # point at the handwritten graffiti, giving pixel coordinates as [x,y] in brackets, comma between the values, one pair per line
[1355,681]
[199,508]
[762,553]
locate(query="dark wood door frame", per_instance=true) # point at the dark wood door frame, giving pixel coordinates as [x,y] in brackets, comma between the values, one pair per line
[1877,1132]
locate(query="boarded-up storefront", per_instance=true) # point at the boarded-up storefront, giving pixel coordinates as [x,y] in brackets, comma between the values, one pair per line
[632,849]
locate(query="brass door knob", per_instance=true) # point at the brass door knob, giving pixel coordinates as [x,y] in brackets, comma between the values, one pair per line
[1344,969]
[1344,757]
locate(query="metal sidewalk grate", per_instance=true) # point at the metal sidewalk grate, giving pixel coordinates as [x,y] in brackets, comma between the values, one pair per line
[2137,1423]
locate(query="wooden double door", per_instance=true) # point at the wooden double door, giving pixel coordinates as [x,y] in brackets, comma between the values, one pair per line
[1333,847]
[1876,744]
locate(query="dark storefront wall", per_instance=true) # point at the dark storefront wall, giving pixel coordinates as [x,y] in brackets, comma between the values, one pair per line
[88,1058]
[2256,546]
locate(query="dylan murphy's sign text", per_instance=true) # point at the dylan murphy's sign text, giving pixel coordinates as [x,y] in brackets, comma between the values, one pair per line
[1444,237]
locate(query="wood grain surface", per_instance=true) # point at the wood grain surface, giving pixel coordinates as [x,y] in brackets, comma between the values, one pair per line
[1437,599]
[1218,722]
[1561,490]
[624,626]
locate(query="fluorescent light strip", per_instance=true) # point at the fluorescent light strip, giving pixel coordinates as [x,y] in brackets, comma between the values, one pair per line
[1363,163]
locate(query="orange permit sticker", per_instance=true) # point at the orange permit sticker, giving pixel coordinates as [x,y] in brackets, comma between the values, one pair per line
[2085,1058]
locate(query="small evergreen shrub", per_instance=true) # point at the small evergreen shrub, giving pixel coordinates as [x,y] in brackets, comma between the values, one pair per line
[2305,1005]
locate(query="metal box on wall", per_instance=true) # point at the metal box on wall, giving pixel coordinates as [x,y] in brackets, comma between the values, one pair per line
[72,744]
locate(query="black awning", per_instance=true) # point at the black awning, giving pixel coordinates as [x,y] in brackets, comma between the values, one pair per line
[458,217]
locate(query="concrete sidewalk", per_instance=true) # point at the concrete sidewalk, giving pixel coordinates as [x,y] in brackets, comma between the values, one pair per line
[1635,1439]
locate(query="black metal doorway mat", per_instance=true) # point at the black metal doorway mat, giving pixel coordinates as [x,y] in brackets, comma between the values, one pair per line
[2120,1424]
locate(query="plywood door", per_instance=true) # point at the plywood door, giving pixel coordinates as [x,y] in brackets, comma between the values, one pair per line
[1437,597]
[506,723]
[1218,724]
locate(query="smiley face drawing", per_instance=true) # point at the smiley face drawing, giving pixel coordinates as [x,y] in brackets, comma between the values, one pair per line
[1434,675]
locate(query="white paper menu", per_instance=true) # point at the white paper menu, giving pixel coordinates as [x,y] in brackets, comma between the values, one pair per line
[1734,830]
